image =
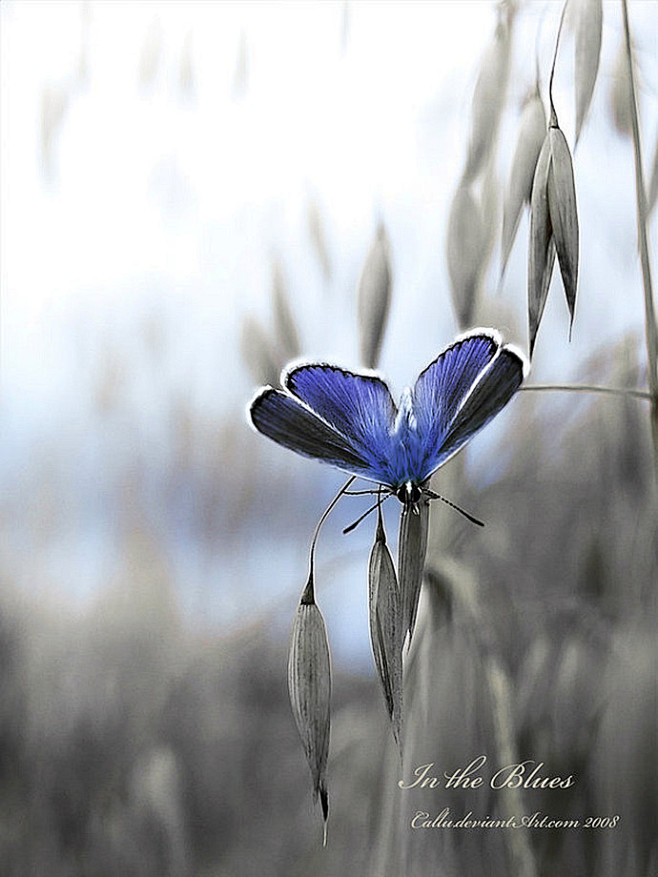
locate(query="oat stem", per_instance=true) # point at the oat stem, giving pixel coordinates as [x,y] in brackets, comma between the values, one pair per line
[589,388]
[308,595]
[553,121]
[643,245]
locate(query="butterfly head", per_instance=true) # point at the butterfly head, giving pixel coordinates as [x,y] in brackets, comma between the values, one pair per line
[409,493]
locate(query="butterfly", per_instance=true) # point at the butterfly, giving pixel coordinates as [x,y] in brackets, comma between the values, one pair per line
[350,420]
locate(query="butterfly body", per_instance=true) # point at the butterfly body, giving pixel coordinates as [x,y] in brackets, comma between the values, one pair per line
[349,419]
[409,494]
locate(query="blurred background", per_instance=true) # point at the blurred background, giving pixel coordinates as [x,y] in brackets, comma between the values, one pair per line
[189,195]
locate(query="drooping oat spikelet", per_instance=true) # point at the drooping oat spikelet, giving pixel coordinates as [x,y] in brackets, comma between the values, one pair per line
[553,227]
[374,298]
[386,626]
[541,251]
[151,55]
[285,328]
[259,352]
[589,25]
[186,66]
[620,93]
[465,248]
[318,237]
[564,214]
[489,95]
[241,72]
[309,686]
[532,131]
[412,547]
[490,211]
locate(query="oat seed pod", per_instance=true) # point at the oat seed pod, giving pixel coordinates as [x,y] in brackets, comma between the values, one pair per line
[412,547]
[488,98]
[532,131]
[490,213]
[553,227]
[309,687]
[466,248]
[386,626]
[589,25]
[318,237]
[259,352]
[564,214]
[374,298]
[541,251]
[620,93]
[285,328]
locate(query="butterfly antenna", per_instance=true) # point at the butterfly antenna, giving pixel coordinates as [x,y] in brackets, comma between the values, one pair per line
[454,506]
[362,517]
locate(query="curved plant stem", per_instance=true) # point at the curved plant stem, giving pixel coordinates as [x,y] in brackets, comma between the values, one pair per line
[643,245]
[588,388]
[553,121]
[308,595]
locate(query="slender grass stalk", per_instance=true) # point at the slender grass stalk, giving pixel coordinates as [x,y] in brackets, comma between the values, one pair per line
[550,82]
[308,595]
[651,331]
[518,842]
[587,388]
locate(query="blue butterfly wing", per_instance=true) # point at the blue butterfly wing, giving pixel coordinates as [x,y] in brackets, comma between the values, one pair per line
[359,406]
[459,393]
[288,422]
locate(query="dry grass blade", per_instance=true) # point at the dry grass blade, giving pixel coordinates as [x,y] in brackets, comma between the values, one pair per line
[564,213]
[309,686]
[532,131]
[412,547]
[465,251]
[589,26]
[386,631]
[374,298]
[541,252]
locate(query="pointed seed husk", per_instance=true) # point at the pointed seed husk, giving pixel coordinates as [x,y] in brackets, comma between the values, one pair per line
[620,93]
[309,687]
[540,257]
[490,201]
[532,132]
[589,27]
[285,328]
[374,298]
[259,352]
[488,99]
[564,214]
[318,237]
[412,547]
[386,630]
[465,250]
